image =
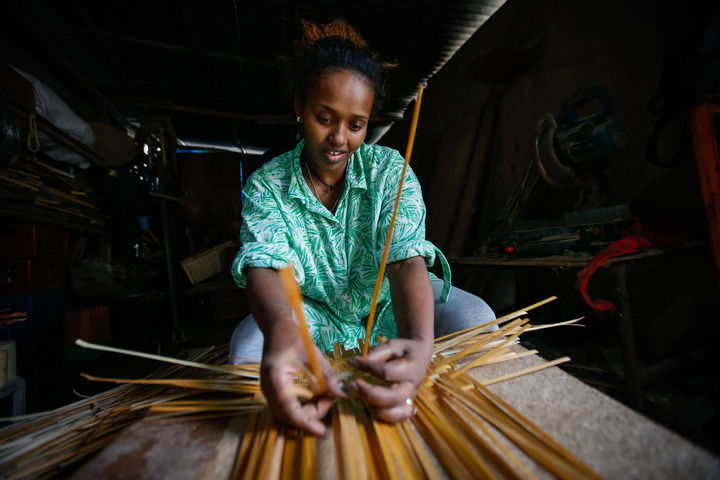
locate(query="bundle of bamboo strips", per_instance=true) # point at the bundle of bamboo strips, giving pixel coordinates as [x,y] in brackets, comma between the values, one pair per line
[460,430]
[30,186]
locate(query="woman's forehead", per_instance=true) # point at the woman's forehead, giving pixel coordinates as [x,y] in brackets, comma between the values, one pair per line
[342,90]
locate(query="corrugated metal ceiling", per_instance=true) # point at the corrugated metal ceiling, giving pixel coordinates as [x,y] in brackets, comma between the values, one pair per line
[229,60]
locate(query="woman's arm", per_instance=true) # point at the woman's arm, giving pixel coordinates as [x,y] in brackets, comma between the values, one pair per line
[402,362]
[283,351]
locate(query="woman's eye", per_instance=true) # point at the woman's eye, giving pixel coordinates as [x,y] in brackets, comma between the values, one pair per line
[356,126]
[324,120]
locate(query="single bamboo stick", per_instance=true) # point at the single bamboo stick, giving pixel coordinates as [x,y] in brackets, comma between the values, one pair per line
[388,239]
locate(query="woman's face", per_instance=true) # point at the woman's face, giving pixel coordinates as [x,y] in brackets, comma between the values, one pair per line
[335,118]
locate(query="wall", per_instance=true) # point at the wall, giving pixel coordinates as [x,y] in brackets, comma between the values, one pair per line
[475,138]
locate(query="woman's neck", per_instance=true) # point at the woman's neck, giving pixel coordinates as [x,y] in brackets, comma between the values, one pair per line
[329,177]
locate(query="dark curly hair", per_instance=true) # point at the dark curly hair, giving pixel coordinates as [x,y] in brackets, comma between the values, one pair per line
[336,46]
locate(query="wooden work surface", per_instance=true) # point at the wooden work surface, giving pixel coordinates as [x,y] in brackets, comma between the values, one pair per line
[613,440]
[575,260]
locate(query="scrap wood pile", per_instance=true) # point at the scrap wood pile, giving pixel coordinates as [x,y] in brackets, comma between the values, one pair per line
[460,429]
[33,189]
[8,316]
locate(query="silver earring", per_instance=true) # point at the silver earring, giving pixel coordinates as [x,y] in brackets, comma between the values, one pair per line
[297,119]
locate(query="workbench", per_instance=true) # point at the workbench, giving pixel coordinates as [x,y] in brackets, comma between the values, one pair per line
[635,373]
[612,439]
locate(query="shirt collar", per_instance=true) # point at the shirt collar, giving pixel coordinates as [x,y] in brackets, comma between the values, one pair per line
[296,189]
[355,175]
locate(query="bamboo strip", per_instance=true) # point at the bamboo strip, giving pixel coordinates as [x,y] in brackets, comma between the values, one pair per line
[309,454]
[376,466]
[236,386]
[295,297]
[419,451]
[504,318]
[491,354]
[351,460]
[481,343]
[526,371]
[531,427]
[477,440]
[401,451]
[540,447]
[509,356]
[558,324]
[385,451]
[493,438]
[388,238]
[257,446]
[245,443]
[270,464]
[292,452]
[160,358]
[431,425]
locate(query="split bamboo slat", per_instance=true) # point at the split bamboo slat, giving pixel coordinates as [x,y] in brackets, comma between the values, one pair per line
[388,238]
[460,430]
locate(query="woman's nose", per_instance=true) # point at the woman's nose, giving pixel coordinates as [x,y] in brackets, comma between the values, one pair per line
[337,135]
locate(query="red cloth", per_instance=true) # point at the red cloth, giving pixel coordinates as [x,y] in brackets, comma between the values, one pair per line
[629,244]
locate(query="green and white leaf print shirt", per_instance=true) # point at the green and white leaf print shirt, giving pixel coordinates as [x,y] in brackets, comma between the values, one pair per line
[336,258]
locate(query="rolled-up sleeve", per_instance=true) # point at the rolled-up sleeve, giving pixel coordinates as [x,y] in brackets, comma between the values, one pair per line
[263,236]
[408,239]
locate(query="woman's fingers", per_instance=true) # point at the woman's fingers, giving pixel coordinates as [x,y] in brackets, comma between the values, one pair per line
[332,380]
[398,413]
[386,351]
[277,384]
[308,416]
[287,408]
[380,396]
[392,404]
[394,370]
[394,361]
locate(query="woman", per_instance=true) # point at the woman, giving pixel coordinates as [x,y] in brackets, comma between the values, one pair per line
[325,208]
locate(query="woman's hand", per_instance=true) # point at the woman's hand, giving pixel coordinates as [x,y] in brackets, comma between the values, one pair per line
[283,356]
[402,363]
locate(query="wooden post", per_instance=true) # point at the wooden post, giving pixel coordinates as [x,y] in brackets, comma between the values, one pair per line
[704,119]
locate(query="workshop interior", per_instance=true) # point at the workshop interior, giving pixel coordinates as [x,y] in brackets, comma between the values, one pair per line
[564,148]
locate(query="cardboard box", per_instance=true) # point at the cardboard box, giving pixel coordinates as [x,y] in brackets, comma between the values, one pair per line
[206,263]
